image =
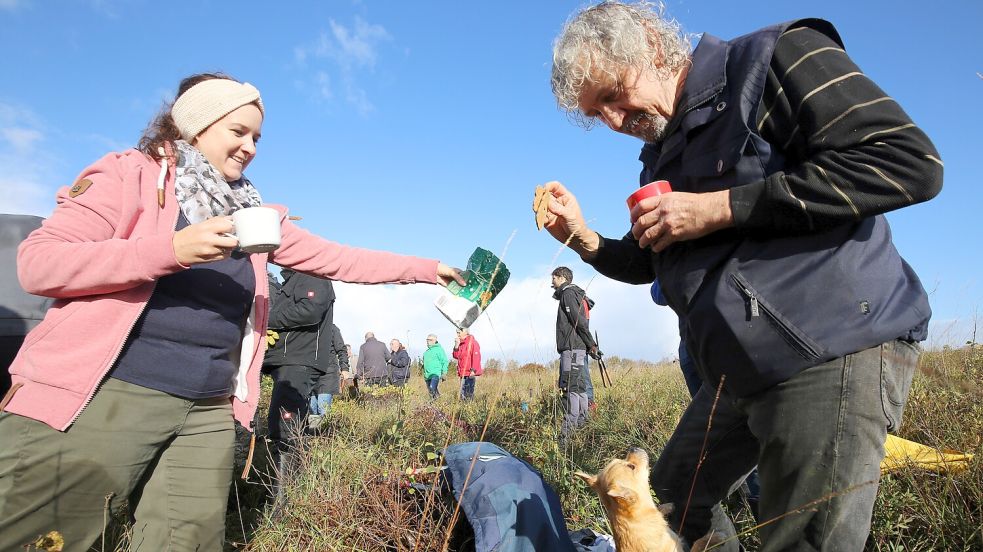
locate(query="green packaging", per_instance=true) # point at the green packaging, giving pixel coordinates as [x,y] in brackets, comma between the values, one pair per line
[485,277]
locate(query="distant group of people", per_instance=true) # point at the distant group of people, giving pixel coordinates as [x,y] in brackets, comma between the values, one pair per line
[772,247]
[309,360]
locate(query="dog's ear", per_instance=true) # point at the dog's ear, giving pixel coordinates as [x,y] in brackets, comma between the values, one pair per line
[623,494]
[589,479]
[667,508]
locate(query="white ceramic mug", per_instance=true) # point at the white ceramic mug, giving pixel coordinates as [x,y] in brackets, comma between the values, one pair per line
[257,229]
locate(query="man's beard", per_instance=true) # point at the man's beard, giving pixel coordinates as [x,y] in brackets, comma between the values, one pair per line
[646,126]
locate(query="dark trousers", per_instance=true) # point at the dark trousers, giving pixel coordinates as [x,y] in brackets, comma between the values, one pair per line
[290,400]
[467,388]
[817,438]
[432,383]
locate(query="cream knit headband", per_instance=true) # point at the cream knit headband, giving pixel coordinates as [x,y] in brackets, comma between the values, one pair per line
[210,100]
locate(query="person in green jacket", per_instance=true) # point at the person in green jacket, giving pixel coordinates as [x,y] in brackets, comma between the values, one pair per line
[434,365]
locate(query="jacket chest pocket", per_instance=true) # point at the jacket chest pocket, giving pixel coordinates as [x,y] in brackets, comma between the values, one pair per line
[727,163]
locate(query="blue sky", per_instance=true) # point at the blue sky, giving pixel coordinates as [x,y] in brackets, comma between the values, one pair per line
[423,127]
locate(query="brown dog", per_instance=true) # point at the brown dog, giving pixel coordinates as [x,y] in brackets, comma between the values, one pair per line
[638,524]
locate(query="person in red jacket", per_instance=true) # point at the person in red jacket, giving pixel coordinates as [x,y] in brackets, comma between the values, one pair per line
[467,352]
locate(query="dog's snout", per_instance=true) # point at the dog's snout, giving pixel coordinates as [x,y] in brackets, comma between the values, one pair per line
[636,451]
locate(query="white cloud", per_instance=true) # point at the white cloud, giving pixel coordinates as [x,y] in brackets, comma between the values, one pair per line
[342,54]
[25,169]
[21,139]
[357,97]
[11,4]
[519,324]
[323,81]
[356,46]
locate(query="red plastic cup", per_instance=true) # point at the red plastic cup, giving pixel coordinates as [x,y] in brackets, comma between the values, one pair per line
[651,189]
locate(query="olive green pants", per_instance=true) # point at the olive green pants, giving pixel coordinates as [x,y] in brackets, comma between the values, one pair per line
[169,459]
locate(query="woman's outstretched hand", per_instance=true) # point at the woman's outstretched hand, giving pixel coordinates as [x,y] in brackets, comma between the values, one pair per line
[204,242]
[445,274]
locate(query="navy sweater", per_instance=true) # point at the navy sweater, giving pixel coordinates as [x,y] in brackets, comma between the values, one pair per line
[194,319]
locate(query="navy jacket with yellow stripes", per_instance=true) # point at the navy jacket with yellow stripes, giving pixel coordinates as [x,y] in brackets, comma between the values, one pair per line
[759,304]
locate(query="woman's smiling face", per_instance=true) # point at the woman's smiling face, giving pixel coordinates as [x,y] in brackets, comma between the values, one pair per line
[229,144]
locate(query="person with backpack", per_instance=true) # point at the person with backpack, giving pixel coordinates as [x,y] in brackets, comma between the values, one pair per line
[575,343]
[467,352]
[127,392]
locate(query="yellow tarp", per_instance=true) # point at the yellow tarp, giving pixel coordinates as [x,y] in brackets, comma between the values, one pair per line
[901,452]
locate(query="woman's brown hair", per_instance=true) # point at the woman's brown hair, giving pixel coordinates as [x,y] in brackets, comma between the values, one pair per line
[162,129]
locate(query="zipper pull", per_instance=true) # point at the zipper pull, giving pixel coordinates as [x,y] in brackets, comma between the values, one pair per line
[754,307]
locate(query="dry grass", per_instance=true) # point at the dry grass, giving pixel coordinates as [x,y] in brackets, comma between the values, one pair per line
[361,483]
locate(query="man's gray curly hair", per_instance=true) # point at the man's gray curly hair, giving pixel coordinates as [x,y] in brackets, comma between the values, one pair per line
[608,37]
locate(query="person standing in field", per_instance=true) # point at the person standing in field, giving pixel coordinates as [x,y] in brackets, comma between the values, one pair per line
[328,383]
[435,363]
[302,314]
[399,361]
[575,343]
[467,352]
[373,362]
[772,246]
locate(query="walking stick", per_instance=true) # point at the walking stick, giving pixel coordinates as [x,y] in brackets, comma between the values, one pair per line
[605,375]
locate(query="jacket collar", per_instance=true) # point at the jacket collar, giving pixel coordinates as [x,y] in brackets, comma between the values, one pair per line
[707,77]
[558,292]
[707,74]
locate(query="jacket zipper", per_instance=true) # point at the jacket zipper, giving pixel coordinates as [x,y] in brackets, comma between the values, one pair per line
[103,378]
[674,125]
[757,307]
[112,362]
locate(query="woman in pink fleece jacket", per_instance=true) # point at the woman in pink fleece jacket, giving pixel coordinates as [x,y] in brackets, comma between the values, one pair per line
[127,391]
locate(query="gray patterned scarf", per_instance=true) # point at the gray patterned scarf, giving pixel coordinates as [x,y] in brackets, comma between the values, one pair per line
[203,192]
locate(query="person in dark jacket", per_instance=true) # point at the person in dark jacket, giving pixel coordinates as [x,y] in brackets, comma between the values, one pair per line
[302,312]
[373,362]
[19,311]
[782,157]
[574,342]
[328,383]
[399,362]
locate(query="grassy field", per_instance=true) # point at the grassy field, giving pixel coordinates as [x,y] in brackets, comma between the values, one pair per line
[355,485]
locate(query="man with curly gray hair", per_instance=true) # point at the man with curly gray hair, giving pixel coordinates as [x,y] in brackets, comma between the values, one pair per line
[771,245]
